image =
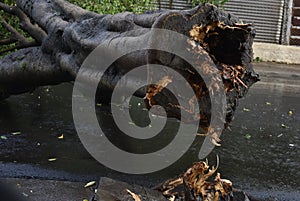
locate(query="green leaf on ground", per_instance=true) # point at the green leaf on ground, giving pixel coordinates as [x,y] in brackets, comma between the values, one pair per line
[268,103]
[2,137]
[89,184]
[61,137]
[52,159]
[246,109]
[248,136]
[16,133]
[283,126]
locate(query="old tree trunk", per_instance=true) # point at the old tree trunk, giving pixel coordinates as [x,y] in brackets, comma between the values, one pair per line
[64,35]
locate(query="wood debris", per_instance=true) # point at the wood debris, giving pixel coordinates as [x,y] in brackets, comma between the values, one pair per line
[195,184]
[134,196]
[232,74]
[157,88]
[90,184]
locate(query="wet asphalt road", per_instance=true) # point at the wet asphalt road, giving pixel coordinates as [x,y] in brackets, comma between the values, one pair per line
[260,154]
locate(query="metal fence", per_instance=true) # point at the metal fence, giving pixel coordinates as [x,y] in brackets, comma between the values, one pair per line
[173,4]
[295,29]
[276,21]
[266,15]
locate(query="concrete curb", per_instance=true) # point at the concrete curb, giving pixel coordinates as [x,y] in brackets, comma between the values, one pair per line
[277,53]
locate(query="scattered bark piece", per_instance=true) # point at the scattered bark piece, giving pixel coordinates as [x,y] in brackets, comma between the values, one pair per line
[195,184]
[112,190]
[134,196]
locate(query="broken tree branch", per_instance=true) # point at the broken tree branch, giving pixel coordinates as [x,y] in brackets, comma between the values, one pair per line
[19,37]
[7,41]
[194,184]
[72,33]
[25,24]
[18,47]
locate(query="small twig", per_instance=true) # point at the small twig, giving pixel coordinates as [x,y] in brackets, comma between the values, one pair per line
[73,11]
[20,46]
[5,7]
[13,31]
[134,196]
[218,162]
[25,24]
[7,41]
[241,82]
[22,41]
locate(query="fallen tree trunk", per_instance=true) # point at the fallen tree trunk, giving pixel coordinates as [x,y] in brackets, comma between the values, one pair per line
[66,34]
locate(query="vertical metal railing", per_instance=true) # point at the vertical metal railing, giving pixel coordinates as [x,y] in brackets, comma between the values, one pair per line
[276,21]
[295,28]
[172,4]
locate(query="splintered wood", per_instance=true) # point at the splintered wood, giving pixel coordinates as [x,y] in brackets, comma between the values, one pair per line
[232,74]
[222,52]
[134,196]
[200,32]
[194,185]
[157,88]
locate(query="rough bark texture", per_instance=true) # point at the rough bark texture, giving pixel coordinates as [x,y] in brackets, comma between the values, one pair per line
[67,34]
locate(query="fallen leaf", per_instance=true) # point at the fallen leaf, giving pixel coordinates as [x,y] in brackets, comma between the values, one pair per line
[52,159]
[85,200]
[61,137]
[99,104]
[215,139]
[283,126]
[16,133]
[246,110]
[248,136]
[3,137]
[89,184]
[25,195]
[133,195]
[268,103]
[215,142]
[280,135]
[131,123]
[291,113]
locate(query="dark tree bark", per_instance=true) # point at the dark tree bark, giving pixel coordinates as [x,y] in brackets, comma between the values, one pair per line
[65,34]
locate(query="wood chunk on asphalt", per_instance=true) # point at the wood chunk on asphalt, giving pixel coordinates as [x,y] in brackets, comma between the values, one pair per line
[112,190]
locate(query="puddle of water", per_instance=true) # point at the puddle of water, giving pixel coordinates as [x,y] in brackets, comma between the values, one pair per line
[260,154]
